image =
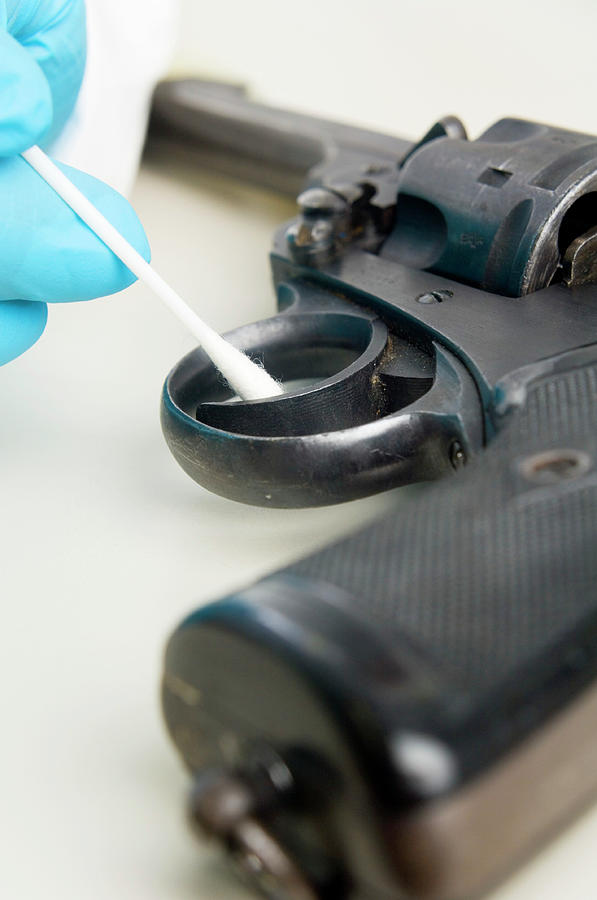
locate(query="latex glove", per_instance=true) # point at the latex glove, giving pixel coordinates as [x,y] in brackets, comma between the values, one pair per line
[46,252]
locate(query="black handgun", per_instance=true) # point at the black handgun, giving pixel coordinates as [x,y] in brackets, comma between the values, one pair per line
[412,710]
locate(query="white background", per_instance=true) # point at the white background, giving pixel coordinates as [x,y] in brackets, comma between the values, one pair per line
[105,543]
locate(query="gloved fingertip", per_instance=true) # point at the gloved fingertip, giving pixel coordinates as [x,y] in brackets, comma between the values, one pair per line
[50,254]
[26,108]
[125,219]
[112,274]
[22,323]
[135,234]
[53,32]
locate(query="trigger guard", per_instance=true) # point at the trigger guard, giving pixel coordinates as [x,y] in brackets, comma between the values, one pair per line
[380,413]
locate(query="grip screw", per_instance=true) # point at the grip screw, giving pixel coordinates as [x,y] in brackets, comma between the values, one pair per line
[435,296]
[457,455]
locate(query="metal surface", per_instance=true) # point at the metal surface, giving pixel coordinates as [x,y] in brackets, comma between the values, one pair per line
[580,260]
[389,416]
[439,665]
[276,148]
[265,864]
[364,427]
[415,278]
[228,808]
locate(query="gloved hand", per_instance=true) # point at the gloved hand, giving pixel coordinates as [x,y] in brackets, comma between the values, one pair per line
[46,252]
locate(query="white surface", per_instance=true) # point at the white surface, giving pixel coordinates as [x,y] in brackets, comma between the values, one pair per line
[399,64]
[106,544]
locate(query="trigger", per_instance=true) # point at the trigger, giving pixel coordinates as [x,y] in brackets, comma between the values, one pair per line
[580,260]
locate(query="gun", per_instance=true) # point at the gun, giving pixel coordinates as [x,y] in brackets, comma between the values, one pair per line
[410,711]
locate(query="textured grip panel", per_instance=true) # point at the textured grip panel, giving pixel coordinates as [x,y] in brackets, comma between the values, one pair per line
[488,569]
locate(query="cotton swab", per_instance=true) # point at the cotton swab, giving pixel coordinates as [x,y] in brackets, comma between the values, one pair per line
[249,380]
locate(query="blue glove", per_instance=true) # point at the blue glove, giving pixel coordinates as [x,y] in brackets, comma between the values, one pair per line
[46,253]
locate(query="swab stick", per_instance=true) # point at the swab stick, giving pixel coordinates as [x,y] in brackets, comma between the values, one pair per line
[249,380]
